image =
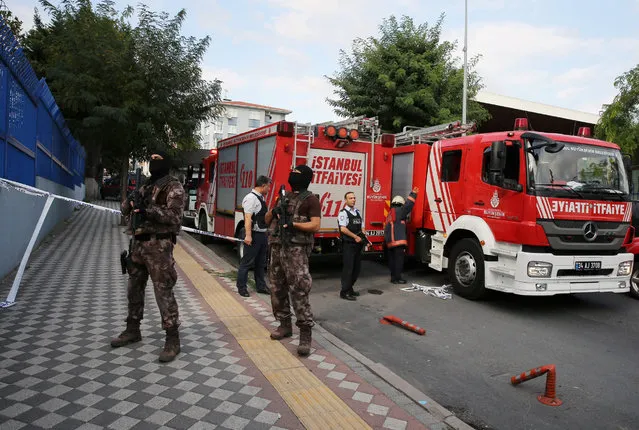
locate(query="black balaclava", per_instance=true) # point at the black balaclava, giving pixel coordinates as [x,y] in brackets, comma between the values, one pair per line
[160,168]
[300,181]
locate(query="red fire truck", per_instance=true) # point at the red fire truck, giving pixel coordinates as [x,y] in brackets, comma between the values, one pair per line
[522,212]
[344,156]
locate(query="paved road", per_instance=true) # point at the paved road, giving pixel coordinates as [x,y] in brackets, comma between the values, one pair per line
[472,348]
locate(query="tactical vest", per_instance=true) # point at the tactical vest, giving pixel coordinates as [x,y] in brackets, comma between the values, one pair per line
[354,225]
[156,194]
[295,237]
[258,218]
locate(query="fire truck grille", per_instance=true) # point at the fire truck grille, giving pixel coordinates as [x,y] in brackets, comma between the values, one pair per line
[571,235]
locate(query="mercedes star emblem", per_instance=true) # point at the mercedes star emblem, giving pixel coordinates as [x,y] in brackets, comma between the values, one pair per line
[590,231]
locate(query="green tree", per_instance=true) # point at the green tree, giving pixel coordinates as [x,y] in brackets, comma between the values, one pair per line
[406,76]
[619,122]
[125,91]
[14,22]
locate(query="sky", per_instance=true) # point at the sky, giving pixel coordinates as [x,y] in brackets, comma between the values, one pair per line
[564,53]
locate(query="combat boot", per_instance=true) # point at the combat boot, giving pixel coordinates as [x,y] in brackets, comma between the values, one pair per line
[284,330]
[130,335]
[304,348]
[171,345]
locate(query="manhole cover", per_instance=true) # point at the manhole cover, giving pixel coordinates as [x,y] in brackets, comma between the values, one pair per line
[375,292]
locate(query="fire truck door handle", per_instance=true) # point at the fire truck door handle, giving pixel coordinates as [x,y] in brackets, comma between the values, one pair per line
[480,203]
[438,200]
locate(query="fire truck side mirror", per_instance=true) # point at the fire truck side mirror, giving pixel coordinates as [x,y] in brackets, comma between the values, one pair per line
[497,163]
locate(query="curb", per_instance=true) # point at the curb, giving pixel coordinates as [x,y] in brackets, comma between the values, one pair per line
[420,401]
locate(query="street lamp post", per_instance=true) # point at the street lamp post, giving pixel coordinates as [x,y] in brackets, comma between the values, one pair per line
[465,91]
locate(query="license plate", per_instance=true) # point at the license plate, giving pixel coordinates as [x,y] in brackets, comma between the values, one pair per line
[588,265]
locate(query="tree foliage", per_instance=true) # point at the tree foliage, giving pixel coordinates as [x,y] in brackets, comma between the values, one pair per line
[619,122]
[14,22]
[125,90]
[406,76]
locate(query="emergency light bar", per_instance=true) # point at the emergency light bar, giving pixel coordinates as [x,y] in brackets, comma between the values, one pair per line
[583,131]
[521,124]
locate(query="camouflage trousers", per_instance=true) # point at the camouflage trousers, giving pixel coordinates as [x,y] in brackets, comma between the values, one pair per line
[289,276]
[153,258]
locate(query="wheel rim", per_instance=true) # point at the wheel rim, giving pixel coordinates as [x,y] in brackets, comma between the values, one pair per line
[634,281]
[465,268]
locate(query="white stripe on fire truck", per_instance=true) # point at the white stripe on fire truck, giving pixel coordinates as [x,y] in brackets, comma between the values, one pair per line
[430,194]
[443,187]
[446,189]
[443,211]
[628,215]
[551,214]
[438,184]
[540,208]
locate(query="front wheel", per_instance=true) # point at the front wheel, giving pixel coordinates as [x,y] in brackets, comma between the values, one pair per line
[466,269]
[634,283]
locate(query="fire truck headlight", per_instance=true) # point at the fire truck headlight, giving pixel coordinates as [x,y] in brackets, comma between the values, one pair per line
[625,268]
[539,269]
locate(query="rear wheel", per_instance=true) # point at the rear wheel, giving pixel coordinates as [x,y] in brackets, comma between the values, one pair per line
[240,245]
[201,225]
[634,283]
[466,269]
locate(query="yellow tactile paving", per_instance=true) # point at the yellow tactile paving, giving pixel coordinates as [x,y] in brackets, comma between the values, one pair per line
[316,405]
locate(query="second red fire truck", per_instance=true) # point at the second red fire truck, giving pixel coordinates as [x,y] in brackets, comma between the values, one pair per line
[344,157]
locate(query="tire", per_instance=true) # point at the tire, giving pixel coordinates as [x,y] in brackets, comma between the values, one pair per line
[466,269]
[240,245]
[201,225]
[634,283]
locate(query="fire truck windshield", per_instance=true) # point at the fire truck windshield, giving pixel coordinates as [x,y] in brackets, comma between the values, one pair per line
[578,171]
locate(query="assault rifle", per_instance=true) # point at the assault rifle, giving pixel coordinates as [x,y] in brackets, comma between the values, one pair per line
[284,218]
[136,219]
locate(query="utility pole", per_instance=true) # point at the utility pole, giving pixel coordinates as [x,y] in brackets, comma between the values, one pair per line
[465,91]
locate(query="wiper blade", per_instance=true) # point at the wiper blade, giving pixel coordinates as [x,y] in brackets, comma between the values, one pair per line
[563,186]
[591,188]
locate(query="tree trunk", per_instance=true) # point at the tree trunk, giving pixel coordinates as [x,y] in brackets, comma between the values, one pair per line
[124,184]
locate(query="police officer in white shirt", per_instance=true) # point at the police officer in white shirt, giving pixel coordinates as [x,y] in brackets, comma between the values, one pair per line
[353,240]
[256,243]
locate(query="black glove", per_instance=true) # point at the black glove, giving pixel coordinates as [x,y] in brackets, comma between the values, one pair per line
[277,211]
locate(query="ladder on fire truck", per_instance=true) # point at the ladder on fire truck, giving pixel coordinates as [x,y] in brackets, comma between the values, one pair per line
[304,134]
[416,135]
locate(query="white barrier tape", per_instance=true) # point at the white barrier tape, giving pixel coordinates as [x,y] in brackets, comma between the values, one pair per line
[208,233]
[32,191]
[27,189]
[439,292]
[41,193]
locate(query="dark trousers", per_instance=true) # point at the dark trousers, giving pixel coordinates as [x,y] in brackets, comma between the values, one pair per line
[253,255]
[396,262]
[351,264]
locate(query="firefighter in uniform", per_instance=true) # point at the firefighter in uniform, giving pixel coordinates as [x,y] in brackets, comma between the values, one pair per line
[353,237]
[291,242]
[395,234]
[256,238]
[159,217]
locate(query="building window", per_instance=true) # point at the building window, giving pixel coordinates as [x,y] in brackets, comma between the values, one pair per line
[254,123]
[451,165]
[218,126]
[233,121]
[232,129]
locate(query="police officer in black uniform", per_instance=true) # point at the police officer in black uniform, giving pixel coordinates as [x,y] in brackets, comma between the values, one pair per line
[353,240]
[255,241]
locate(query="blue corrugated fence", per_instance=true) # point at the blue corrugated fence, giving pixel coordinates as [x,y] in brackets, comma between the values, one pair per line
[34,139]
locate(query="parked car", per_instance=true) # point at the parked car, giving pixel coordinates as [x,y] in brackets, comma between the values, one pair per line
[111,187]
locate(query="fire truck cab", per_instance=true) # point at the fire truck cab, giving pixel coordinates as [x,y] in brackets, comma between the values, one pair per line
[522,212]
[345,156]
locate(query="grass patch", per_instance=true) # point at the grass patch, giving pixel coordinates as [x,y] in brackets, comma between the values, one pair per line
[232,275]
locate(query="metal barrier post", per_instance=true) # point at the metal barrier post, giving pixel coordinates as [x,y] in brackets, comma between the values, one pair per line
[16,282]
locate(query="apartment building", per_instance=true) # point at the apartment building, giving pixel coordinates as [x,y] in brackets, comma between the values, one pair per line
[238,117]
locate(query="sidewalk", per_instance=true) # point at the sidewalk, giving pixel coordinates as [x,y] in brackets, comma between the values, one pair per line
[57,369]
